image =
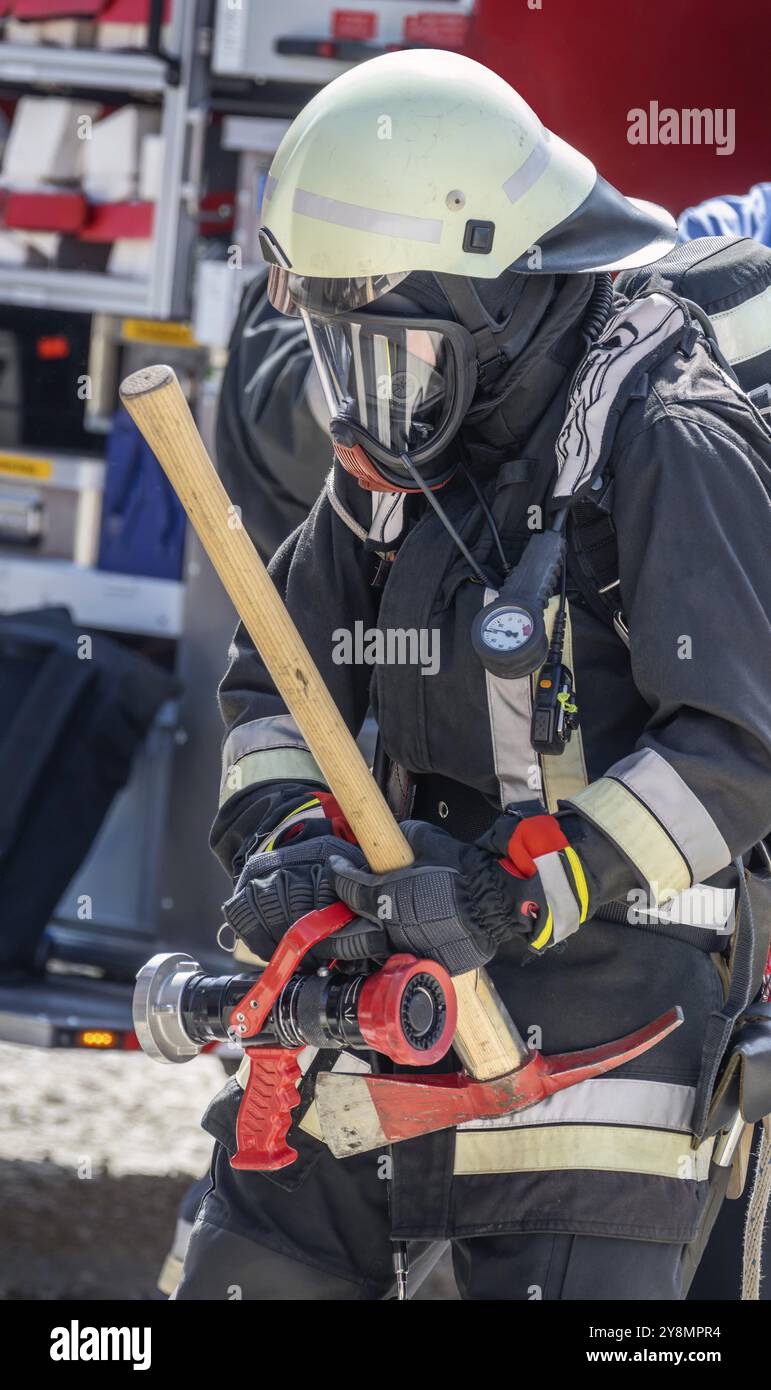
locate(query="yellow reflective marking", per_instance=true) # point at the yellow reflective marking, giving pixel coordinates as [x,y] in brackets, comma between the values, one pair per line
[580,880]
[543,937]
[305,807]
[159,331]
[20,466]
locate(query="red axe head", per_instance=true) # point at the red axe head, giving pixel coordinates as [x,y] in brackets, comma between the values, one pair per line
[365,1112]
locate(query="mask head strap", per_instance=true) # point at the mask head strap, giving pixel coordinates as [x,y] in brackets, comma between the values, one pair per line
[469,310]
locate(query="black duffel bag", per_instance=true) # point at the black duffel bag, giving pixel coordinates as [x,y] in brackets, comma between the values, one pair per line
[74,707]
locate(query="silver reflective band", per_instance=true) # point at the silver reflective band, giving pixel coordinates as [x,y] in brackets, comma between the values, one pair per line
[605,1100]
[745,331]
[263,750]
[273,731]
[530,172]
[686,821]
[602,1148]
[563,906]
[509,705]
[629,825]
[361,219]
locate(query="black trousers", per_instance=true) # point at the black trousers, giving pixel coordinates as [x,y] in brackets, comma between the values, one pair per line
[329,1240]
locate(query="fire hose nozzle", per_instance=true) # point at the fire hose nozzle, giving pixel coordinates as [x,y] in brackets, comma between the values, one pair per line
[158,994]
[406,1009]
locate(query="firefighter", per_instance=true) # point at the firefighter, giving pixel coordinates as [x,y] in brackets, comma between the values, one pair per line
[272,427]
[449,259]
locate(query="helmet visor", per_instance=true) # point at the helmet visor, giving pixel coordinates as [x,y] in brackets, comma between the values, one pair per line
[389,377]
[289,293]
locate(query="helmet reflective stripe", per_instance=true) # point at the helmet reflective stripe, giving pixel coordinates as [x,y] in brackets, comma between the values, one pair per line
[391,166]
[416,228]
[530,172]
[366,219]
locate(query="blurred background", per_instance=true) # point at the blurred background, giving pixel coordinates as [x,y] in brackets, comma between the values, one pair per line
[135,137]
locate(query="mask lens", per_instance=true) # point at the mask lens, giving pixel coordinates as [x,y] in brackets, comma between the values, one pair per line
[396,382]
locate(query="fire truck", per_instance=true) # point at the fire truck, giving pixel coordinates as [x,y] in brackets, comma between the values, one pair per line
[137,247]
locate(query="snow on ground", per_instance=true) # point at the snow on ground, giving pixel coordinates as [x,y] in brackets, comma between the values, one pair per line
[96,1151]
[119,1109]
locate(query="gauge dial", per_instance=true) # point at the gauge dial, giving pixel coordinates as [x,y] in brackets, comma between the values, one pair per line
[508,629]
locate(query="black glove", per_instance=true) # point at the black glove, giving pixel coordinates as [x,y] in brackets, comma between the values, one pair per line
[278,887]
[455,904]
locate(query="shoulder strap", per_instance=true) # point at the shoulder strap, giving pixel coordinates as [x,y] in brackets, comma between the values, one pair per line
[635,339]
[592,558]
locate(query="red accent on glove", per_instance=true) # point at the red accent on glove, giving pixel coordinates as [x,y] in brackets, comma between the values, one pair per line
[533,836]
[340,826]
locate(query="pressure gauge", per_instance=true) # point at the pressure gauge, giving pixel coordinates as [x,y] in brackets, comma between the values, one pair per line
[509,635]
[509,639]
[506,628]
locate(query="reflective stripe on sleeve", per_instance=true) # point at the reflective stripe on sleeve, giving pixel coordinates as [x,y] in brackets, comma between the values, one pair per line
[745,330]
[617,812]
[266,750]
[689,825]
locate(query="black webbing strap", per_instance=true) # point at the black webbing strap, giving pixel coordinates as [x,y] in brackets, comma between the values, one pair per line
[722,1022]
[705,938]
[593,558]
[474,319]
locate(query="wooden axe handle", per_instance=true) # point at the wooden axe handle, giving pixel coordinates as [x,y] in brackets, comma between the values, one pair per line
[486,1040]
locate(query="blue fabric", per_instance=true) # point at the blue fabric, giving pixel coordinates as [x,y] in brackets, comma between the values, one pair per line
[744,214]
[143,523]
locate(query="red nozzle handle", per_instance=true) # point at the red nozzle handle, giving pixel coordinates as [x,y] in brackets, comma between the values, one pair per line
[270,1094]
[251,1012]
[265,1113]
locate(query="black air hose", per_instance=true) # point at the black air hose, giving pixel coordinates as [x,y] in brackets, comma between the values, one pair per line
[599,307]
